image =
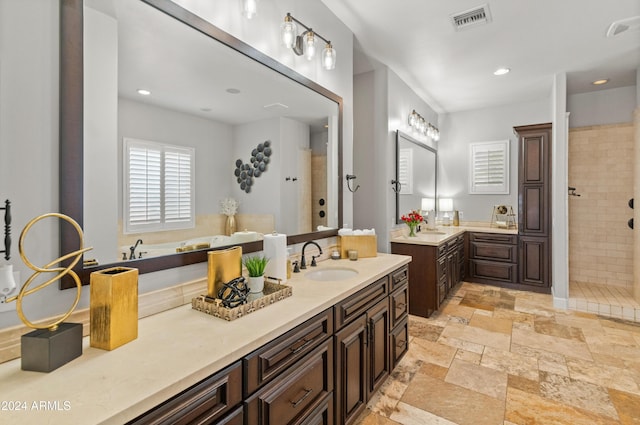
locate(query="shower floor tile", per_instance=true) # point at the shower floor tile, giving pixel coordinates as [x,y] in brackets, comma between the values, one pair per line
[605,300]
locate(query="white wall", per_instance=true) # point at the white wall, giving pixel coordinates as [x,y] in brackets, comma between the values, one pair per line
[459,129]
[601,107]
[29,120]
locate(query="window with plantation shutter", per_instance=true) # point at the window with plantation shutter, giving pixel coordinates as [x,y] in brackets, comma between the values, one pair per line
[489,173]
[158,186]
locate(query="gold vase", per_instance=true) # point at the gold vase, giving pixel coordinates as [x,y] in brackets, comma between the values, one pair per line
[223,266]
[230,225]
[114,307]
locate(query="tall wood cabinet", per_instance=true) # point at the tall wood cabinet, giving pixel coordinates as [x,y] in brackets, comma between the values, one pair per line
[534,205]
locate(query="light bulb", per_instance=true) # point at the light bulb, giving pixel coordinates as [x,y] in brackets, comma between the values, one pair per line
[412,119]
[329,57]
[249,8]
[309,45]
[288,31]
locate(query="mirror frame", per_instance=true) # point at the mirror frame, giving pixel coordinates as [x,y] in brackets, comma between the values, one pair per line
[408,138]
[71,149]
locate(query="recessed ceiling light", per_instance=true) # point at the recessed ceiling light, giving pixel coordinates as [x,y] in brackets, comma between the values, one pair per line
[233,90]
[501,71]
[205,109]
[600,82]
[144,92]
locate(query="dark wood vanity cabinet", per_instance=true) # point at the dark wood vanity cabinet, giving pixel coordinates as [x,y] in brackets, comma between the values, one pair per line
[493,257]
[322,372]
[534,205]
[433,272]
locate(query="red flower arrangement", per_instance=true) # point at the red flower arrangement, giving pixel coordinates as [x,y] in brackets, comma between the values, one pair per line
[412,220]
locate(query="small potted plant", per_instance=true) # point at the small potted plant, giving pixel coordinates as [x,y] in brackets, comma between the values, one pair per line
[255,266]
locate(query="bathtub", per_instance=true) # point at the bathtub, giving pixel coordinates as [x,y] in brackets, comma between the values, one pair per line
[203,242]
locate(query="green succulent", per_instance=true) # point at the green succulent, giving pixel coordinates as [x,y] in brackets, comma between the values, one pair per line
[255,265]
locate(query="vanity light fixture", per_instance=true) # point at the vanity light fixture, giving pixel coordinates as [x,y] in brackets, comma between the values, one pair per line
[249,8]
[305,43]
[419,124]
[144,92]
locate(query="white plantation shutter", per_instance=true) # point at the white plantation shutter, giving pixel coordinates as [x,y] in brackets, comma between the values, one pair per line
[405,171]
[489,173]
[158,186]
[177,185]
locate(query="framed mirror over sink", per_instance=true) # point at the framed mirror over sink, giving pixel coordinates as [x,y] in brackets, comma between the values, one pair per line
[218,97]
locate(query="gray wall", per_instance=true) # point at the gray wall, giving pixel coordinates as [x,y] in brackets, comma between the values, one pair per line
[601,107]
[383,102]
[459,130]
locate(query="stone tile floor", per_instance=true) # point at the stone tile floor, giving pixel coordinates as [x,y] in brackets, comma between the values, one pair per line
[500,356]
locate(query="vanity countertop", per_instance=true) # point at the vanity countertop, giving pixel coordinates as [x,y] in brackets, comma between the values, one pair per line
[174,350]
[442,234]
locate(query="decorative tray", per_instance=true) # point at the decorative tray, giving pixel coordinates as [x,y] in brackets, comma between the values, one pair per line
[271,293]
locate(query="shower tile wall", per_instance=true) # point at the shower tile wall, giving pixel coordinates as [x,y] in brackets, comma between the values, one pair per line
[601,168]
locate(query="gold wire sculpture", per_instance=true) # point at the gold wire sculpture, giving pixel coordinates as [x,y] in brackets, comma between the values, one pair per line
[62,271]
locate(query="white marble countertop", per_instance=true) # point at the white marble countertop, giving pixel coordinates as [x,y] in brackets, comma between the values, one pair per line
[174,350]
[442,234]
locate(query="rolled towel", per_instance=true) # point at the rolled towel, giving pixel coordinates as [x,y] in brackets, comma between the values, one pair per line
[345,232]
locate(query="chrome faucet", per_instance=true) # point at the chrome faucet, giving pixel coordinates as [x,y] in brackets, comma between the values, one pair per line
[303,264]
[132,255]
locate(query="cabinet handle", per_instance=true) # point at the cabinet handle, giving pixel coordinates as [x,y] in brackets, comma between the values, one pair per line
[400,305]
[401,344]
[296,350]
[305,395]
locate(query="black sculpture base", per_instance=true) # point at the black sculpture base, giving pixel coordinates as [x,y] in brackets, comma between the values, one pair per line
[44,350]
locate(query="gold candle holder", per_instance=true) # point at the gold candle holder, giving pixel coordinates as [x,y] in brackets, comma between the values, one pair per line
[113,307]
[223,265]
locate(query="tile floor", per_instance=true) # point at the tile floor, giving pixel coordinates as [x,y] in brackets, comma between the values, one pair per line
[605,300]
[500,356]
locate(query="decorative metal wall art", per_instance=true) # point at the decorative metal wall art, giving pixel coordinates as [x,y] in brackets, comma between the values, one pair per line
[245,173]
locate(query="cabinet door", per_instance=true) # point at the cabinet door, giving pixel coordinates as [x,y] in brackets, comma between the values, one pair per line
[378,329]
[534,179]
[534,261]
[351,368]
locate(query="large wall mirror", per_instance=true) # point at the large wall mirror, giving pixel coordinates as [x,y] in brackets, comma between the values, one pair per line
[210,93]
[416,174]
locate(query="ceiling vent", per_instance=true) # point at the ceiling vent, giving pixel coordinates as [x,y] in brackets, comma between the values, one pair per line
[470,18]
[623,25]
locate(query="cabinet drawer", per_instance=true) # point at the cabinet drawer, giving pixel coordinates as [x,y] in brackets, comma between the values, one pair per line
[294,394]
[358,303]
[399,278]
[399,305]
[441,268]
[203,403]
[494,252]
[399,341]
[442,249]
[273,358]
[494,238]
[491,270]
[322,414]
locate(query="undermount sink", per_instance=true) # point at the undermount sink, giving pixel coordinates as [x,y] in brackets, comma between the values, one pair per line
[432,232]
[331,274]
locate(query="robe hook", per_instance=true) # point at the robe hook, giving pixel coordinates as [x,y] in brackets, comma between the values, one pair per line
[349,178]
